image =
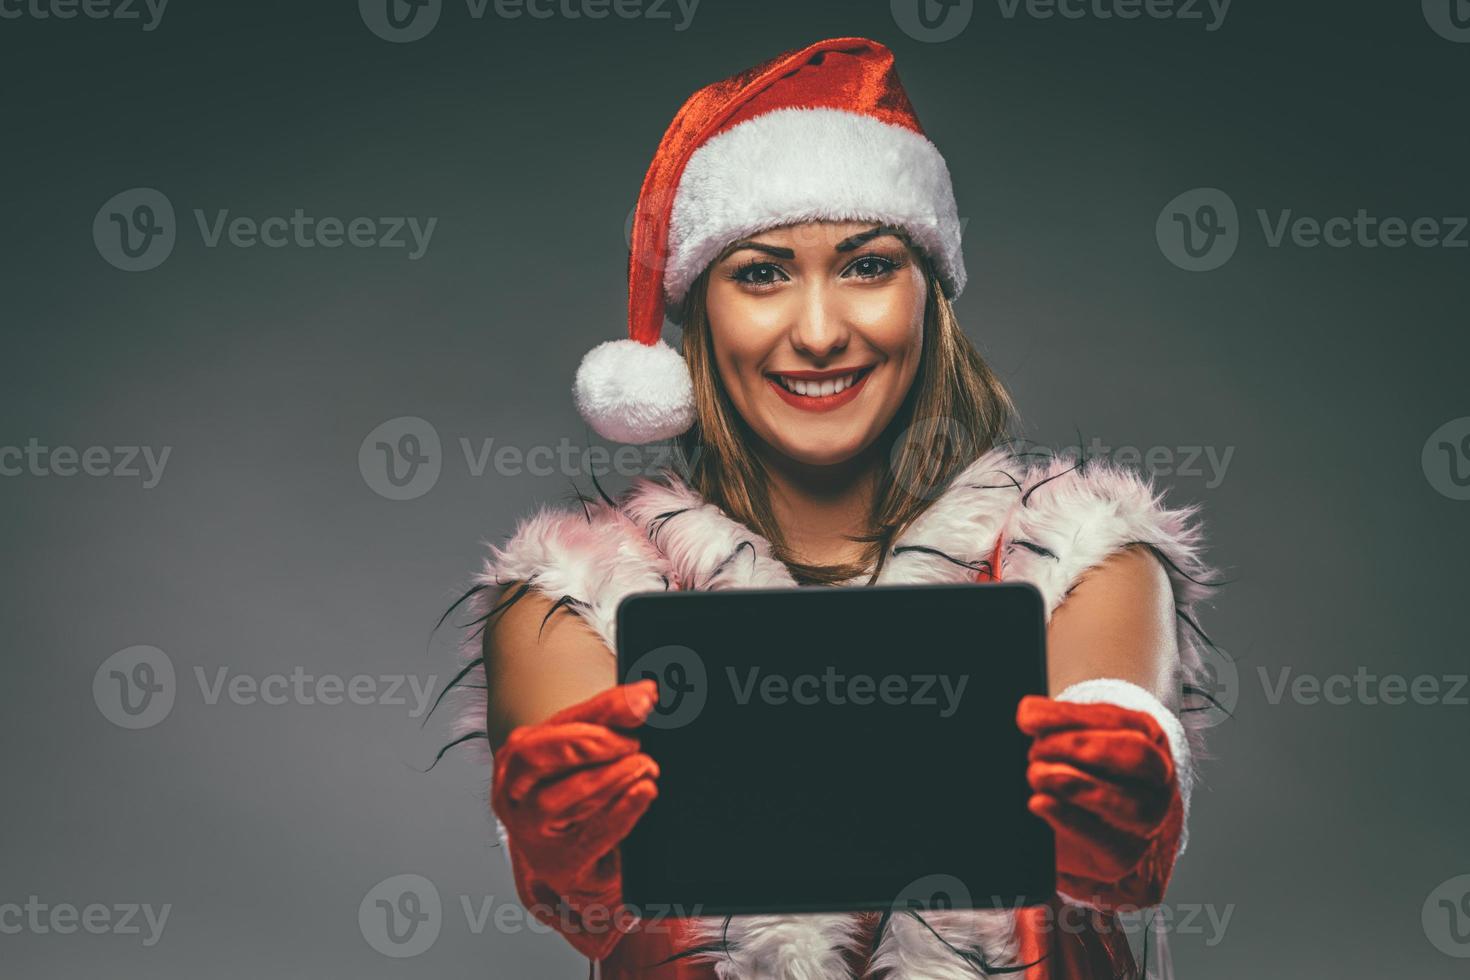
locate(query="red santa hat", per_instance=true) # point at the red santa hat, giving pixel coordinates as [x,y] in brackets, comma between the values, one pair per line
[823,133]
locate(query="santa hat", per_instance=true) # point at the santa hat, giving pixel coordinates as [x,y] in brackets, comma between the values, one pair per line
[823,133]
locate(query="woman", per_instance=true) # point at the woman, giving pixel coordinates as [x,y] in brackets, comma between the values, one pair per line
[839,429]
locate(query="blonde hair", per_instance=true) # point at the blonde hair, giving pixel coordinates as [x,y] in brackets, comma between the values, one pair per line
[955,411]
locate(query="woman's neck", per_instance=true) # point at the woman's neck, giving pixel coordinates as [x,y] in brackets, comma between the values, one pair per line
[816,507]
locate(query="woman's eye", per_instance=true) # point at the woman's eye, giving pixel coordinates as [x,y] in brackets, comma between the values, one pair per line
[871,267]
[759,274]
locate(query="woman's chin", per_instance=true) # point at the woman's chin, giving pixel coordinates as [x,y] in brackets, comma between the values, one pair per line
[820,449]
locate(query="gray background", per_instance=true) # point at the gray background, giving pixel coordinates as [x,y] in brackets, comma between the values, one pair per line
[1322,829]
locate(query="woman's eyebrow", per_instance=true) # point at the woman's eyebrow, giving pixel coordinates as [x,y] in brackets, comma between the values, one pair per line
[776,250]
[848,244]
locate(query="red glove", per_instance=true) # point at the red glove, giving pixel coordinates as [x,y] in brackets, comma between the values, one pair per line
[568,791]
[1105,778]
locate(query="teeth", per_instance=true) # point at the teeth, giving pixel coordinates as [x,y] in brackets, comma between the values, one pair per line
[817,389]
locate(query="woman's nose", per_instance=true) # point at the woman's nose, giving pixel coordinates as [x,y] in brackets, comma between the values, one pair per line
[820,329]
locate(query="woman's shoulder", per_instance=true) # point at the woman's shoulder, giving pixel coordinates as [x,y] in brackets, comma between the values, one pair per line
[1074,511]
[594,526]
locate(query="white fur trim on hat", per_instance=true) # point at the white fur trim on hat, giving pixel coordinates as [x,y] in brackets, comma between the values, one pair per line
[1126,694]
[634,392]
[795,165]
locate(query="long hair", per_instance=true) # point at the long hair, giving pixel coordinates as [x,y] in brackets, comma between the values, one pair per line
[955,411]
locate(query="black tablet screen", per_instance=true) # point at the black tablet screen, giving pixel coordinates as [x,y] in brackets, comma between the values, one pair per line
[837,748]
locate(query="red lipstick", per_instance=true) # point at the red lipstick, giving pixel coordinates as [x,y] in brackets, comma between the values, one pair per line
[820,403]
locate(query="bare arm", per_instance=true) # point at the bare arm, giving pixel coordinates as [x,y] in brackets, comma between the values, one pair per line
[533,673]
[1118,622]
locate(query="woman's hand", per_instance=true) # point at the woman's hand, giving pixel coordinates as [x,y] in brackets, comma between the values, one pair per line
[568,791]
[1105,779]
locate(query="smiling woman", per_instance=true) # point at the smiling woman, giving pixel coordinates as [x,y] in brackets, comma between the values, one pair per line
[837,427]
[805,306]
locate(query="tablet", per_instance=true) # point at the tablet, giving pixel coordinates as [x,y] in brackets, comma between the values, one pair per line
[837,749]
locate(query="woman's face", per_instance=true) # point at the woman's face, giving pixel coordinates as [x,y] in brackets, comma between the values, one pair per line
[817,330]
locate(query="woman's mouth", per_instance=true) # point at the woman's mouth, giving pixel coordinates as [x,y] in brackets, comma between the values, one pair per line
[819,391]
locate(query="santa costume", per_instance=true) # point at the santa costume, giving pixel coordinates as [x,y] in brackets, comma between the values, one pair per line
[827,133]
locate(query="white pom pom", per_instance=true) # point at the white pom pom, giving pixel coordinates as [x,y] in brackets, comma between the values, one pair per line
[635,393]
